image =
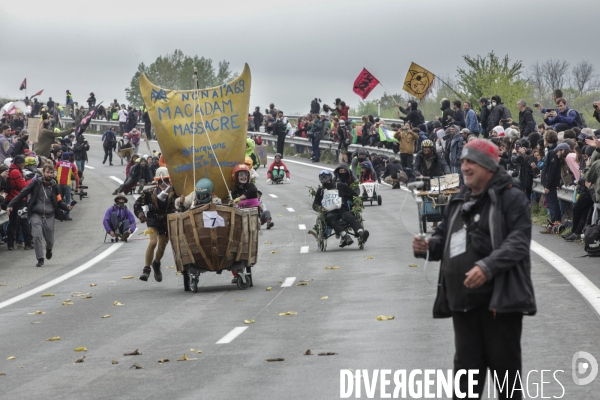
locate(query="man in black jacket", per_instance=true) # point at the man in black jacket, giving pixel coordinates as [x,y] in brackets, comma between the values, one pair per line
[484,116]
[80,150]
[447,113]
[393,173]
[139,173]
[428,162]
[280,130]
[413,116]
[485,276]
[526,121]
[500,114]
[42,206]
[551,178]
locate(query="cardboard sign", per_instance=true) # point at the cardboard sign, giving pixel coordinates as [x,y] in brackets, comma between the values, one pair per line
[33,127]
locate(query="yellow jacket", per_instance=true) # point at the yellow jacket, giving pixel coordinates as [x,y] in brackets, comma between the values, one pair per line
[407,141]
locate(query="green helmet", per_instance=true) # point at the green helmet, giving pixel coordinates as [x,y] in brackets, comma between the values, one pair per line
[204,190]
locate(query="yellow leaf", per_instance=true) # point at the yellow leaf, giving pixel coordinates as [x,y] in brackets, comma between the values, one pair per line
[327,268]
[53,339]
[128,277]
[178,273]
[106,316]
[113,362]
[185,358]
[368,257]
[82,348]
[287,313]
[172,266]
[116,303]
[269,289]
[413,265]
[47,295]
[324,298]
[163,360]
[335,267]
[11,358]
[88,297]
[93,284]
[67,303]
[302,284]
[385,317]
[199,352]
[279,215]
[248,321]
[37,313]
[274,252]
[267,242]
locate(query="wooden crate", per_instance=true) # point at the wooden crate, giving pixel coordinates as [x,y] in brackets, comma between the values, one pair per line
[214,249]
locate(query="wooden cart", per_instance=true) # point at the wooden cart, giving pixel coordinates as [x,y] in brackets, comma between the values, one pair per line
[432,207]
[214,238]
[261,153]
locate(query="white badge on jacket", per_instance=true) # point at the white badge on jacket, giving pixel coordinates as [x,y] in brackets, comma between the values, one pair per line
[458,243]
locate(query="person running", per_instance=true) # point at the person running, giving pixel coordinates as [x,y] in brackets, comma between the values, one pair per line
[109,139]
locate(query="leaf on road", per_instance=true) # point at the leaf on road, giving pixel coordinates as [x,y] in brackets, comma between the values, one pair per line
[53,339]
[368,257]
[3,284]
[67,303]
[413,265]
[82,348]
[147,232]
[385,317]
[279,215]
[287,313]
[106,316]
[36,322]
[116,303]
[11,358]
[302,284]
[308,353]
[113,362]
[274,252]
[306,280]
[192,350]
[179,273]
[80,360]
[298,216]
[267,242]
[199,352]
[284,205]
[172,266]
[327,268]
[248,321]
[88,297]
[335,267]
[37,313]
[127,277]
[324,297]
[269,289]
[136,366]
[185,358]
[93,284]
[2,373]
[47,295]
[328,354]
[133,353]
[275,359]
[163,360]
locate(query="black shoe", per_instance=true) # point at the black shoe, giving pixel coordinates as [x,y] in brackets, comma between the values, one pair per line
[40,262]
[270,225]
[116,192]
[68,219]
[572,237]
[346,241]
[364,235]
[28,247]
[104,161]
[111,163]
[157,273]
[565,235]
[48,254]
[315,161]
[145,274]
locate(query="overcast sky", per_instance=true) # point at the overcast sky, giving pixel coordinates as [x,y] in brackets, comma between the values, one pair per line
[296,49]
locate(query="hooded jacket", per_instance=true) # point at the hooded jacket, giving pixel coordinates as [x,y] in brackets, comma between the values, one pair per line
[447,113]
[16,181]
[499,241]
[33,189]
[498,113]
[454,149]
[157,211]
[80,149]
[138,172]
[438,165]
[347,179]
[413,116]
[392,169]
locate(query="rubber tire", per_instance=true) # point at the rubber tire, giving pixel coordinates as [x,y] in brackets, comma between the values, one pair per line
[241,285]
[121,161]
[424,223]
[379,199]
[194,285]
[186,281]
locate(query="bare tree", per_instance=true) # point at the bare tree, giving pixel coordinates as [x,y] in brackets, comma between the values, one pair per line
[535,75]
[584,76]
[555,74]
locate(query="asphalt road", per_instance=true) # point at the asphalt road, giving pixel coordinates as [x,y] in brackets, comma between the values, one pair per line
[162,321]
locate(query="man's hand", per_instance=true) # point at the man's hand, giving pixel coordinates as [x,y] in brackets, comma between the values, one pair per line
[533,165]
[546,191]
[8,211]
[420,246]
[69,208]
[237,200]
[181,199]
[509,121]
[475,277]
[142,218]
[539,106]
[437,117]
[112,234]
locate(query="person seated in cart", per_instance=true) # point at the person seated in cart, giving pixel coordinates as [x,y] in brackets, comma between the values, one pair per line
[428,162]
[360,156]
[253,174]
[367,174]
[160,201]
[204,193]
[125,143]
[139,174]
[244,194]
[335,200]
[278,171]
[342,174]
[264,214]
[119,222]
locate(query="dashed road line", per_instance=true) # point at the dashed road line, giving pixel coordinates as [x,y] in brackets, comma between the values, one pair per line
[273,196]
[288,282]
[114,178]
[235,332]
[90,167]
[304,249]
[302,227]
[290,209]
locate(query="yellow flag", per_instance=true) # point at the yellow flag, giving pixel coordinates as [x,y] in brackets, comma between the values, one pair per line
[206,128]
[418,81]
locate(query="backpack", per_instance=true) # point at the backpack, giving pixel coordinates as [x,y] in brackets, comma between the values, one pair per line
[579,119]
[591,235]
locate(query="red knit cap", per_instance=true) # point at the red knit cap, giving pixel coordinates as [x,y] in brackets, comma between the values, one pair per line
[482,152]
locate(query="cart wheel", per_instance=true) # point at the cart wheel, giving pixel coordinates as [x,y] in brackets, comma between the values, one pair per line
[371,202]
[241,285]
[424,223]
[249,272]
[379,199]
[121,161]
[194,284]
[186,281]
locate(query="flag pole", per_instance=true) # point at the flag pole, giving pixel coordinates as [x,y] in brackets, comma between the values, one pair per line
[387,90]
[449,87]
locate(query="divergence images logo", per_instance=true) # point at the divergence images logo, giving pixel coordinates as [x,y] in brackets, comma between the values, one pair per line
[582,367]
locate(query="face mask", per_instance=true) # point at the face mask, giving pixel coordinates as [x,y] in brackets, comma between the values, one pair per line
[120,205]
[494,103]
[489,106]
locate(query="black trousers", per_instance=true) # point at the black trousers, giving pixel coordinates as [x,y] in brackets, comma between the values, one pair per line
[280,143]
[15,223]
[406,160]
[333,220]
[483,340]
[108,153]
[581,210]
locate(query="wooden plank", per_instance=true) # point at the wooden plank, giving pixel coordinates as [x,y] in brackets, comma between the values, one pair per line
[230,241]
[240,251]
[187,248]
[178,253]
[197,239]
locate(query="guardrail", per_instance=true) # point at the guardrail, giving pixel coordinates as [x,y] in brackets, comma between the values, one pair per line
[565,194]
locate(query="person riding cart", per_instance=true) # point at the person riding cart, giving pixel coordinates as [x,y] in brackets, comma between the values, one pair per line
[139,174]
[204,193]
[278,171]
[119,222]
[245,194]
[428,162]
[335,199]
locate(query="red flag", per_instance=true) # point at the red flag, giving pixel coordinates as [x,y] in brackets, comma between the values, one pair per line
[37,94]
[24,84]
[364,83]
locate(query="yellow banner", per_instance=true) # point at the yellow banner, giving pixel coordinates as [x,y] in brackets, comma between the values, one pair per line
[418,81]
[185,120]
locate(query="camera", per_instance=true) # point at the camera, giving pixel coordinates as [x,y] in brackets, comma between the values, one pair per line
[536,105]
[82,193]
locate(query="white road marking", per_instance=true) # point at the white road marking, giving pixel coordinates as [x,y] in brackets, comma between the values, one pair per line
[114,178]
[304,249]
[290,209]
[273,196]
[90,167]
[64,277]
[302,226]
[579,281]
[288,282]
[235,332]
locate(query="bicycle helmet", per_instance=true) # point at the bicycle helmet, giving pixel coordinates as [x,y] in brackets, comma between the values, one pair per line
[427,143]
[365,165]
[161,173]
[325,176]
[204,190]
[239,168]
[248,162]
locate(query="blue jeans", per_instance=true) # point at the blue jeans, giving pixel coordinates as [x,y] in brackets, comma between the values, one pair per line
[553,206]
[65,193]
[316,149]
[80,165]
